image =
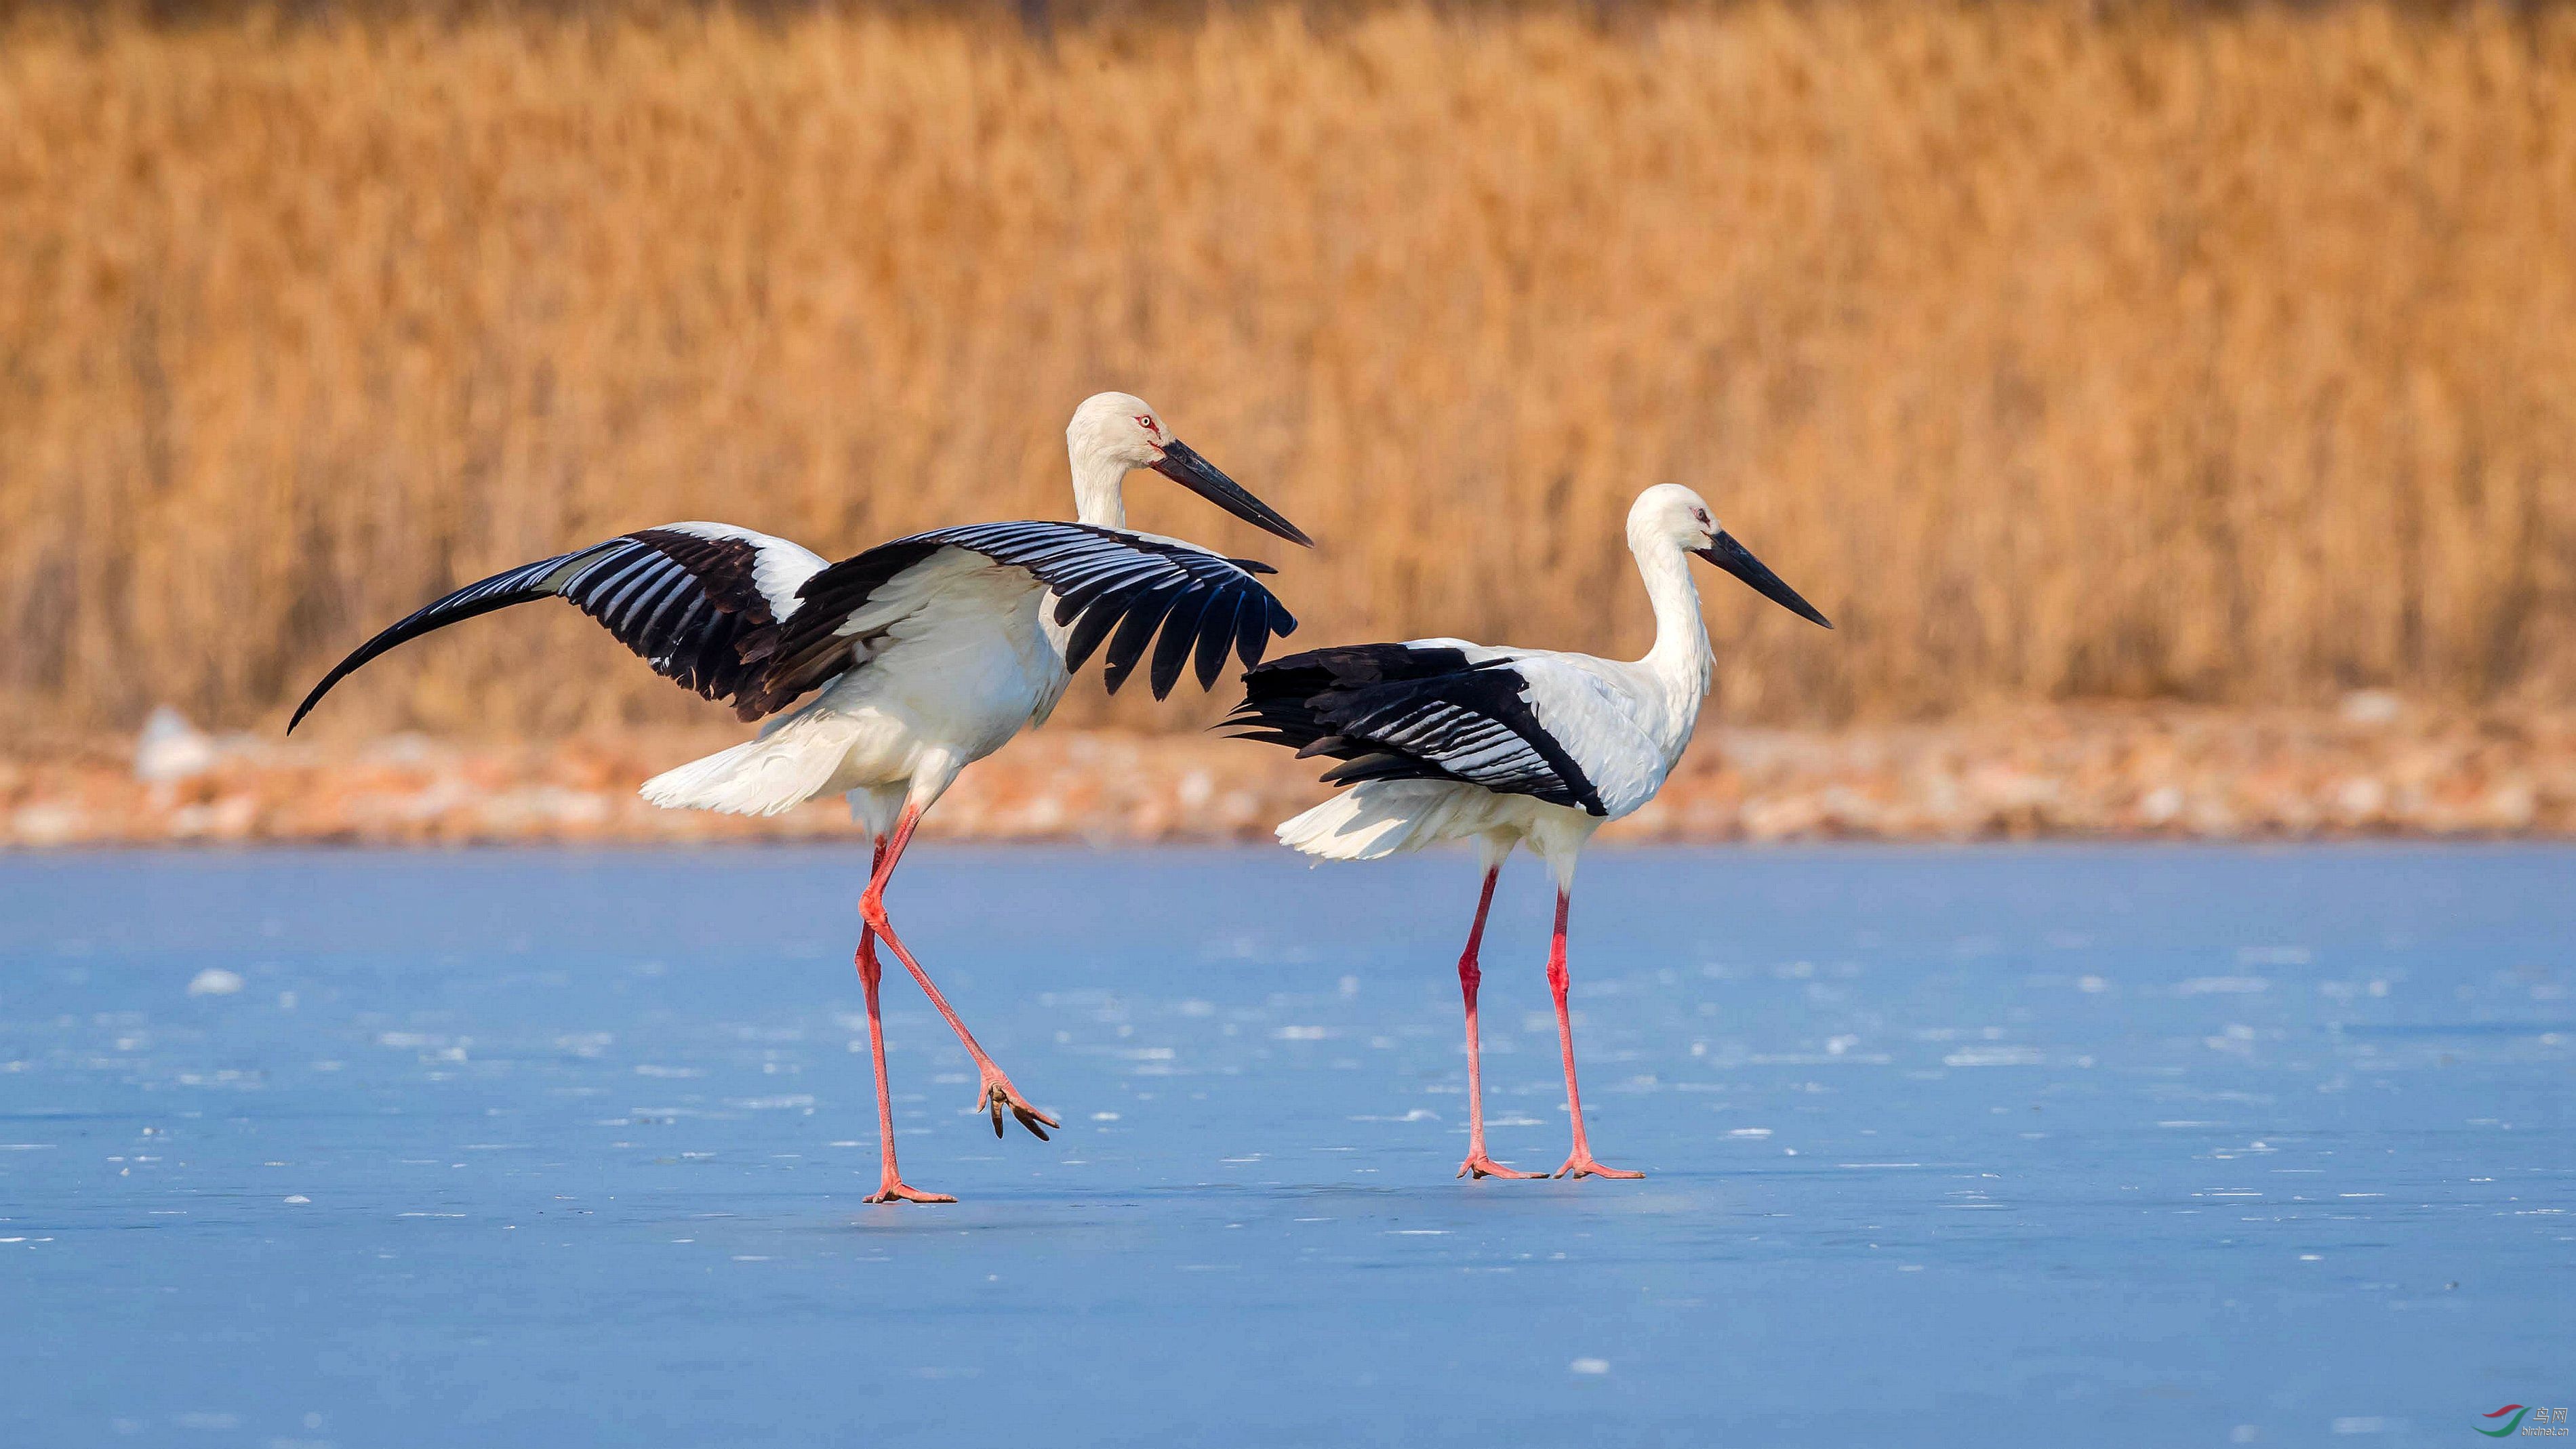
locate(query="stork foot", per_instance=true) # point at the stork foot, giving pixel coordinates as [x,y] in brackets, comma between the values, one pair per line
[893,1189]
[1000,1094]
[1582,1165]
[1479,1165]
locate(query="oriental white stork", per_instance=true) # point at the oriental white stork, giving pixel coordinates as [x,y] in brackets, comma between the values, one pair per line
[923,656]
[1441,739]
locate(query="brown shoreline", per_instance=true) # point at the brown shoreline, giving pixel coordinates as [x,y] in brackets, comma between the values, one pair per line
[2376,768]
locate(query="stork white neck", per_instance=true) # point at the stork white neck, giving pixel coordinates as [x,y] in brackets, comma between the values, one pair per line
[1680,661]
[1099,485]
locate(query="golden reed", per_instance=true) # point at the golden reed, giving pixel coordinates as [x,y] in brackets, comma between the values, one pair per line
[2055,350]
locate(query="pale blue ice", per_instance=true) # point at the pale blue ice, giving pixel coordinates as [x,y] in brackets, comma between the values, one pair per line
[2101,1146]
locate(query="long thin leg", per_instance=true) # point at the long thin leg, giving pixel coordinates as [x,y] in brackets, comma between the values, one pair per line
[1469,978]
[890,1183]
[1580,1163]
[996,1092]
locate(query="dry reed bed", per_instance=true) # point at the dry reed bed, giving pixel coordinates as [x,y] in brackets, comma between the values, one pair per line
[2227,355]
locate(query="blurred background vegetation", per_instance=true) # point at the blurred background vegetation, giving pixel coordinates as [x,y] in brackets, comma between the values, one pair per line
[2059,351]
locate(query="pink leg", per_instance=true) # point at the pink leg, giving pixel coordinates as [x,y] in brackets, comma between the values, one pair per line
[996,1092]
[890,1183]
[1580,1163]
[1469,978]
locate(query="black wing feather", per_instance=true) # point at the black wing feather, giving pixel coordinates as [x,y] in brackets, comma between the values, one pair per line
[1216,636]
[1135,631]
[1251,638]
[1121,588]
[635,585]
[1400,712]
[1089,631]
[1180,631]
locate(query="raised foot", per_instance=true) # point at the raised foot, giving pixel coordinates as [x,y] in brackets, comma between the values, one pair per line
[999,1094]
[1582,1165]
[896,1191]
[1480,1165]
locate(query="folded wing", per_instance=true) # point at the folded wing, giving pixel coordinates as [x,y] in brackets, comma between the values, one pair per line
[1426,711]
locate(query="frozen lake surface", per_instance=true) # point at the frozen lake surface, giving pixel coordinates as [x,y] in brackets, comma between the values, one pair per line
[2005,1146]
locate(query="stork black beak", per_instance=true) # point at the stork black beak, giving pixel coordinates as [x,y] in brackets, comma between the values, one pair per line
[1733,557]
[1182,464]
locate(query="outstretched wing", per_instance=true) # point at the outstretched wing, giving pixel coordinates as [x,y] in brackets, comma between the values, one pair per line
[1427,711]
[1110,585]
[684,596]
[758,622]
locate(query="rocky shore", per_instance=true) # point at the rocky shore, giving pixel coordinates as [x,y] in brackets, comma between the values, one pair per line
[2375,767]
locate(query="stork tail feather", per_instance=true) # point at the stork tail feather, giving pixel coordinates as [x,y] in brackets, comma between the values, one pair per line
[785,767]
[1375,819]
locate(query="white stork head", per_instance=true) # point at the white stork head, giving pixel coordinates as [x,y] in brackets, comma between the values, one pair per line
[1669,515]
[1113,433]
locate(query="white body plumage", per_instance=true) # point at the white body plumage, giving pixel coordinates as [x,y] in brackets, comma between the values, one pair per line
[959,664]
